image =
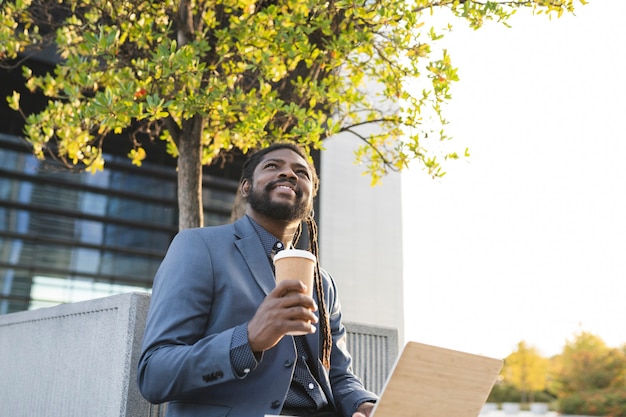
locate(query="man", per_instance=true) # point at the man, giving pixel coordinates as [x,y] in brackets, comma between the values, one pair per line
[216,340]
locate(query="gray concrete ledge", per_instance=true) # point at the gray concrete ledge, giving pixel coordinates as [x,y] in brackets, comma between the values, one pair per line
[74,359]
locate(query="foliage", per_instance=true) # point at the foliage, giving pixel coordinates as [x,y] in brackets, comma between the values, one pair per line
[587,364]
[211,76]
[526,370]
[503,392]
[589,377]
[608,403]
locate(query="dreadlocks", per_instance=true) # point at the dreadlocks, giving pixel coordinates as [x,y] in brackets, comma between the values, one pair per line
[327,340]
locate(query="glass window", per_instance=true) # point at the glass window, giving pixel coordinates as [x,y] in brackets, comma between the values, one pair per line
[66,236]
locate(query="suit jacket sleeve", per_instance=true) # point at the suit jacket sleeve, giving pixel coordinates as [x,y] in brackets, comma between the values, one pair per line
[177,355]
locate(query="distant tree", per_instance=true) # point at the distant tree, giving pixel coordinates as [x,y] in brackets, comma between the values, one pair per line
[210,76]
[589,377]
[526,370]
[587,363]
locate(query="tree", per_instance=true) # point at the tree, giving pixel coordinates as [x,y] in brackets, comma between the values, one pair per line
[208,77]
[526,370]
[589,377]
[587,363]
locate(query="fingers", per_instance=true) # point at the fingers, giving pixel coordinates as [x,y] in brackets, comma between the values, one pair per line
[288,286]
[364,410]
[286,309]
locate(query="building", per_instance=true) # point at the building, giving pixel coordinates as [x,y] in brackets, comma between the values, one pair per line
[68,236]
[361,237]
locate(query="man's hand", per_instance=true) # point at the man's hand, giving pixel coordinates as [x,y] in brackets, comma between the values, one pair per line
[364,410]
[285,309]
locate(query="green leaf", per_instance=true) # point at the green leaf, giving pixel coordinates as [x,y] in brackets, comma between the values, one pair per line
[14,101]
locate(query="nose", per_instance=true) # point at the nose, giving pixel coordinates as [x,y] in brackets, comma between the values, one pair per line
[288,173]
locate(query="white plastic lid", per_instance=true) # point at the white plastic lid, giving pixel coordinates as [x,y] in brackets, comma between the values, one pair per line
[299,253]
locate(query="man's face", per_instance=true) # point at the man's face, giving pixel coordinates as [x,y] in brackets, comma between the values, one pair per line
[281,186]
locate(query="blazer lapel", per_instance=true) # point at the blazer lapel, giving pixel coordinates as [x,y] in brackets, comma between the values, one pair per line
[251,249]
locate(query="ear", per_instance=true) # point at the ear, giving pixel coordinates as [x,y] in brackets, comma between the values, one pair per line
[245,188]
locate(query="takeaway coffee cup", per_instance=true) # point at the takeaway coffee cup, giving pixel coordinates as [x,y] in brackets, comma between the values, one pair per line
[295,264]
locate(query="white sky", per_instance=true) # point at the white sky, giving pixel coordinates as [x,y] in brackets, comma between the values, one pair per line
[527,239]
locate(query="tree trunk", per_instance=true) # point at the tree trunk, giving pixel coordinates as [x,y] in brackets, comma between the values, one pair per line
[190,209]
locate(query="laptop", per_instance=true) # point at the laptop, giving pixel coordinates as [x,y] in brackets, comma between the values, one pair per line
[430,381]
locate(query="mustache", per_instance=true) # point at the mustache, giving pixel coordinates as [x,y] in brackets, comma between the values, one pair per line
[291,182]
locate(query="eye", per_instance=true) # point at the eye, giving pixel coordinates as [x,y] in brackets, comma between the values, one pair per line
[303,172]
[271,165]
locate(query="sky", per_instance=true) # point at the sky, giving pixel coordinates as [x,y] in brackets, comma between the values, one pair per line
[526,239]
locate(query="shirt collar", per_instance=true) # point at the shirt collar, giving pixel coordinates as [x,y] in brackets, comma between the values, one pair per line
[270,243]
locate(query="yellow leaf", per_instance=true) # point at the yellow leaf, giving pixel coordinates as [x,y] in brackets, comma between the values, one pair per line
[14,101]
[137,156]
[96,165]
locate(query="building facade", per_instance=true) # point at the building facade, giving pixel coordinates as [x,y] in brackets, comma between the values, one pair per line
[69,236]
[361,237]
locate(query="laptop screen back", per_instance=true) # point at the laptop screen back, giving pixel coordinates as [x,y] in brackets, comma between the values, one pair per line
[430,381]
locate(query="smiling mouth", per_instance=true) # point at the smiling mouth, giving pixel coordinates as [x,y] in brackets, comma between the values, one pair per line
[285,188]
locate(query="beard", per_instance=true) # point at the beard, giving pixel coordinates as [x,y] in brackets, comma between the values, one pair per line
[262,203]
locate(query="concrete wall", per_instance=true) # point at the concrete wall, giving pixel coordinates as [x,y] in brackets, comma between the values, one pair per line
[80,359]
[74,359]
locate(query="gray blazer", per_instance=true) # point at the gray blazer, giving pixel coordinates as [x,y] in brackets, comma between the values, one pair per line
[212,280]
